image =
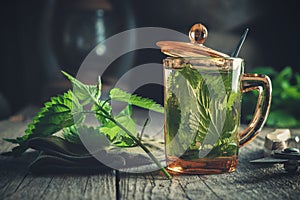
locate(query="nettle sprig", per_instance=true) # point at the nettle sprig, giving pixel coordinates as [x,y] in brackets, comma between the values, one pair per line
[67,112]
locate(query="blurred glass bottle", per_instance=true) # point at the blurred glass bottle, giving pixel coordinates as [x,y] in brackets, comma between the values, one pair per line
[71,29]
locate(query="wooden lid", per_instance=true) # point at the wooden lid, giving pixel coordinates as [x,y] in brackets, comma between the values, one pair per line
[198,34]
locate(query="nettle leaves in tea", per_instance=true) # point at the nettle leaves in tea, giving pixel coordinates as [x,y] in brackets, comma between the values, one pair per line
[202,104]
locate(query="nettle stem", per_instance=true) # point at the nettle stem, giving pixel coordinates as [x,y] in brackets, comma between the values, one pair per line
[137,141]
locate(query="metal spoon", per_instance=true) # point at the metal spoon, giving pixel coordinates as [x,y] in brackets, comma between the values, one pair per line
[236,51]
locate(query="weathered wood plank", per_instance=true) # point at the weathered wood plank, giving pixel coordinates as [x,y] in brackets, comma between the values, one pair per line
[13,171]
[17,183]
[154,186]
[9,129]
[101,186]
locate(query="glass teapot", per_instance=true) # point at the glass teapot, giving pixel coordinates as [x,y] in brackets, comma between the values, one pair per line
[203,90]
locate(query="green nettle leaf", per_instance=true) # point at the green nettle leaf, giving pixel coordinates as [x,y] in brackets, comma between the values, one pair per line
[207,115]
[106,107]
[58,113]
[115,134]
[179,103]
[120,95]
[200,120]
[232,99]
[173,120]
[218,84]
[85,93]
[92,137]
[111,130]
[191,75]
[127,111]
[173,117]
[224,147]
[118,136]
[71,134]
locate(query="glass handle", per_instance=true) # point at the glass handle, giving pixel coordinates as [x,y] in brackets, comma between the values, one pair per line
[262,84]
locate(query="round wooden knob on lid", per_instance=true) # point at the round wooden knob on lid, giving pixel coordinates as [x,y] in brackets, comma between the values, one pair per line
[198,33]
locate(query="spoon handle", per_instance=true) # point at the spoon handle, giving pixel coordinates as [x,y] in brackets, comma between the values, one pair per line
[236,51]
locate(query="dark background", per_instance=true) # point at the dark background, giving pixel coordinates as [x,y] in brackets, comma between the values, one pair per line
[40,37]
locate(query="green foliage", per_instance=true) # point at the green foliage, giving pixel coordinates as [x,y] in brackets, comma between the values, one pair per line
[280,118]
[199,105]
[117,135]
[173,119]
[120,95]
[102,106]
[54,116]
[285,106]
[91,135]
[173,116]
[65,113]
[191,75]
[71,134]
[85,93]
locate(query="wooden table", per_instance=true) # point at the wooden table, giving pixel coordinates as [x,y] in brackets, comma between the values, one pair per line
[248,182]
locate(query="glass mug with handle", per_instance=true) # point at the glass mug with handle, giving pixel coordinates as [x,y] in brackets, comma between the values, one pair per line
[203,105]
